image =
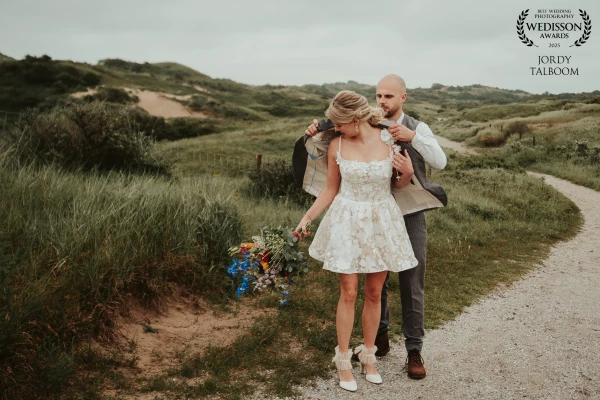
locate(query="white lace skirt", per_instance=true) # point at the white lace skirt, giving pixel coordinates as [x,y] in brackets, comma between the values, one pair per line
[363,237]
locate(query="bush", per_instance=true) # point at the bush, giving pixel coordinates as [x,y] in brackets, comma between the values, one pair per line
[412,113]
[275,179]
[180,128]
[86,136]
[486,161]
[113,95]
[490,140]
[38,82]
[517,127]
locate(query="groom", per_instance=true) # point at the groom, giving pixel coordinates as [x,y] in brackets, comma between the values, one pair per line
[391,95]
[414,200]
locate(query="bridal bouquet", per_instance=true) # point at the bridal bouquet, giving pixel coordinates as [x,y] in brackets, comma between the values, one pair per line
[269,261]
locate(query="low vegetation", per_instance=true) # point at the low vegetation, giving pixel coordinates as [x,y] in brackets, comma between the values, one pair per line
[94,210]
[563,140]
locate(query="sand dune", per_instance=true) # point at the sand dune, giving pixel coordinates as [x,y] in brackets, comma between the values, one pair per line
[157,103]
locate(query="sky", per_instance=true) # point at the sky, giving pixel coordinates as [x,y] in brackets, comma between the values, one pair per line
[298,42]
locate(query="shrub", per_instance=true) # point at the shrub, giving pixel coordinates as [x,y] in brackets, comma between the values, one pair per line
[113,95]
[412,113]
[490,140]
[275,179]
[517,127]
[180,128]
[86,136]
[484,161]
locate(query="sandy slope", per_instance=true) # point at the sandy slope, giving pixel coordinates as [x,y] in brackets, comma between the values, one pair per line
[157,103]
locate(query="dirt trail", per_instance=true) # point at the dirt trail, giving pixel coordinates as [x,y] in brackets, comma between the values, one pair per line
[459,147]
[537,339]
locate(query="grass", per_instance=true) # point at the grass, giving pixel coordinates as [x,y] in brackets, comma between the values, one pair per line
[564,142]
[499,224]
[234,152]
[74,243]
[110,234]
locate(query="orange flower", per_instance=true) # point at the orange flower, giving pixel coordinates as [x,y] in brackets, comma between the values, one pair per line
[265,265]
[248,245]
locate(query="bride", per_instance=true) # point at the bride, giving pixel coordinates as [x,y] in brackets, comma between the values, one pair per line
[363,231]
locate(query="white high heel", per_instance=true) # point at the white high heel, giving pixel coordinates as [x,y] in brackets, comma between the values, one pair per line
[343,363]
[367,356]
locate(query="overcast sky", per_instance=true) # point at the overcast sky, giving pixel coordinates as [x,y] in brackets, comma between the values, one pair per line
[297,42]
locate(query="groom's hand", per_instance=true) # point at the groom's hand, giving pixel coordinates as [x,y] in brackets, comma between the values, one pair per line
[312,129]
[403,163]
[400,133]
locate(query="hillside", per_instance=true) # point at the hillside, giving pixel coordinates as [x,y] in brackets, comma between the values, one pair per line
[171,92]
[5,58]
[43,82]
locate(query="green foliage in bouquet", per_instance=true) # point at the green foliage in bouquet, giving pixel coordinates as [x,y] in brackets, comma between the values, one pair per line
[270,261]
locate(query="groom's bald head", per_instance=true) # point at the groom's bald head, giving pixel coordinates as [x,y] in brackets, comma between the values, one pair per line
[393,80]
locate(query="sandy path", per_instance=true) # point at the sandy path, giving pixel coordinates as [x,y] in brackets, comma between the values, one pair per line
[537,339]
[450,144]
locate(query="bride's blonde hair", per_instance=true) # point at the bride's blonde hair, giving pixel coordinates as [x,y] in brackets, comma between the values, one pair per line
[347,105]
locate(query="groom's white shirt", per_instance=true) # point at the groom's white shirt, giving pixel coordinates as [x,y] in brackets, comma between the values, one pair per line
[427,145]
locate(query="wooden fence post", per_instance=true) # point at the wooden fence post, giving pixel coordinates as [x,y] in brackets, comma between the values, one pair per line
[258,161]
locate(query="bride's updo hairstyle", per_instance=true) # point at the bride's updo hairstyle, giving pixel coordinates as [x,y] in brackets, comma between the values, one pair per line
[347,105]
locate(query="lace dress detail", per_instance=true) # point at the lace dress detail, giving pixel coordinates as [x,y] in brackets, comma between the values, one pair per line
[363,230]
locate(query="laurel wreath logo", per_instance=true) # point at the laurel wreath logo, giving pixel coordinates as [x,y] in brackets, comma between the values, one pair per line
[521,31]
[586,30]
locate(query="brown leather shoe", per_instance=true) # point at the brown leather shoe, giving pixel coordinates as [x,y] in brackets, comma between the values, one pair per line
[414,363]
[382,341]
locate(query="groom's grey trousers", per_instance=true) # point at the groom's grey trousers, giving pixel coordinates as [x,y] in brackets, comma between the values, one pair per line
[412,287]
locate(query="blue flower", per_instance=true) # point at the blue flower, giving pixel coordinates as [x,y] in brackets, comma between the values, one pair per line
[245,283]
[285,293]
[240,291]
[283,302]
[233,268]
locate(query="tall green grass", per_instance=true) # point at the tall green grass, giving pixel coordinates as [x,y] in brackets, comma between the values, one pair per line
[498,225]
[74,244]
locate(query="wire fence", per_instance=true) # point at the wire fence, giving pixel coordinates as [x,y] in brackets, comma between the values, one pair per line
[221,163]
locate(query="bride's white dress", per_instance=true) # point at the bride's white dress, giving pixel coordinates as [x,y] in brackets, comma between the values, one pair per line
[363,230]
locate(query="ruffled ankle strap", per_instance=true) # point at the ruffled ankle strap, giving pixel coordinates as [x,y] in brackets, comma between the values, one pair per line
[342,360]
[366,355]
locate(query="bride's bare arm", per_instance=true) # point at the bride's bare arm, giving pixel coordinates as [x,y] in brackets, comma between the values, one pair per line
[329,192]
